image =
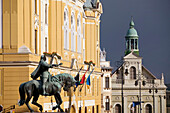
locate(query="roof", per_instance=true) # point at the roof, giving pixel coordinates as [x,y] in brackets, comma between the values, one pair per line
[132,53]
[149,72]
[116,69]
[132,31]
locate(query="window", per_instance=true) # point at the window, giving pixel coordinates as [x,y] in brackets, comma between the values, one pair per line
[66,28]
[148,108]
[93,109]
[79,34]
[106,82]
[46,14]
[136,44]
[85,109]
[73,46]
[97,109]
[107,103]
[79,109]
[66,110]
[35,41]
[46,43]
[117,108]
[127,44]
[132,73]
[132,43]
[35,6]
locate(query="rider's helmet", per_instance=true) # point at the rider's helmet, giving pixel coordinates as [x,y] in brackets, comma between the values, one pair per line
[43,57]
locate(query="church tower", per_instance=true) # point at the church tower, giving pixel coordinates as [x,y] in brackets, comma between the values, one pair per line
[132,40]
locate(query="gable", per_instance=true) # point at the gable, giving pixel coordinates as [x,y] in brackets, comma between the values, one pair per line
[132,55]
[147,74]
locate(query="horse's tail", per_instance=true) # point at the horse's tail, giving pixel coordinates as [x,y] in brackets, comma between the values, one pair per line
[22,94]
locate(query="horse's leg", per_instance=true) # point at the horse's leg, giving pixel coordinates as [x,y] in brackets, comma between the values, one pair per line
[27,101]
[58,101]
[35,102]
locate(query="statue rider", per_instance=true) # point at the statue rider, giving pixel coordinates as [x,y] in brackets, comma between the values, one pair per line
[42,71]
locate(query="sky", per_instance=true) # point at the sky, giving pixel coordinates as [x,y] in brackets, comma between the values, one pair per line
[152,22]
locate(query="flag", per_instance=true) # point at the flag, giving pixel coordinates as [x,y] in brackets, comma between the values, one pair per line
[77,77]
[135,103]
[83,78]
[88,79]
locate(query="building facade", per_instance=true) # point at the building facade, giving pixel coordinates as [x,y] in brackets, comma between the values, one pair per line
[133,84]
[106,91]
[168,98]
[69,27]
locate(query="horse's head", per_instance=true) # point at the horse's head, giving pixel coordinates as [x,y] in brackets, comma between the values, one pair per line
[69,82]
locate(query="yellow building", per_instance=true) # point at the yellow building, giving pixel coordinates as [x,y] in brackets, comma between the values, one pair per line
[30,27]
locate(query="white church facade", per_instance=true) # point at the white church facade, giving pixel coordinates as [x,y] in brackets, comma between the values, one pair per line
[133,88]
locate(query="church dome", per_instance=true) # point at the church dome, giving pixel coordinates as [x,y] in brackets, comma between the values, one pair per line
[132,31]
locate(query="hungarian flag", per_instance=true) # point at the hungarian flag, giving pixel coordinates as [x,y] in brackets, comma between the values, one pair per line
[88,79]
[83,78]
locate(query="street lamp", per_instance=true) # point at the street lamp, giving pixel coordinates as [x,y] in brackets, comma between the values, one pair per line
[123,64]
[140,82]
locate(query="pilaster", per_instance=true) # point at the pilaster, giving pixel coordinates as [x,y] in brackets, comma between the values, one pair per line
[125,105]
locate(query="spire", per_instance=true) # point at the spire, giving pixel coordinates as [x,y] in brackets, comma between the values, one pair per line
[132,24]
[162,79]
[162,76]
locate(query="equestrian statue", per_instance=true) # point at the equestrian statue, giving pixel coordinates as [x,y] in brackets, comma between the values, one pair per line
[48,85]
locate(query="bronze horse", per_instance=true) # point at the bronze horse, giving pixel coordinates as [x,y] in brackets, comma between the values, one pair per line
[34,88]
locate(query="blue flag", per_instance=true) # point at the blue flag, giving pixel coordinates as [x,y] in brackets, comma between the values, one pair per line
[135,103]
[88,79]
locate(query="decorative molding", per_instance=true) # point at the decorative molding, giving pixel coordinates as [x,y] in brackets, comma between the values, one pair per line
[117,98]
[132,98]
[89,102]
[89,23]
[24,49]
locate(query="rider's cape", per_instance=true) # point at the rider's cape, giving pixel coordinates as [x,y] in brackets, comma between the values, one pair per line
[36,73]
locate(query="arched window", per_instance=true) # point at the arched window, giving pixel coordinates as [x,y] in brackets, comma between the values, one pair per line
[117,108]
[85,109]
[148,108]
[132,73]
[73,44]
[107,103]
[66,28]
[79,34]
